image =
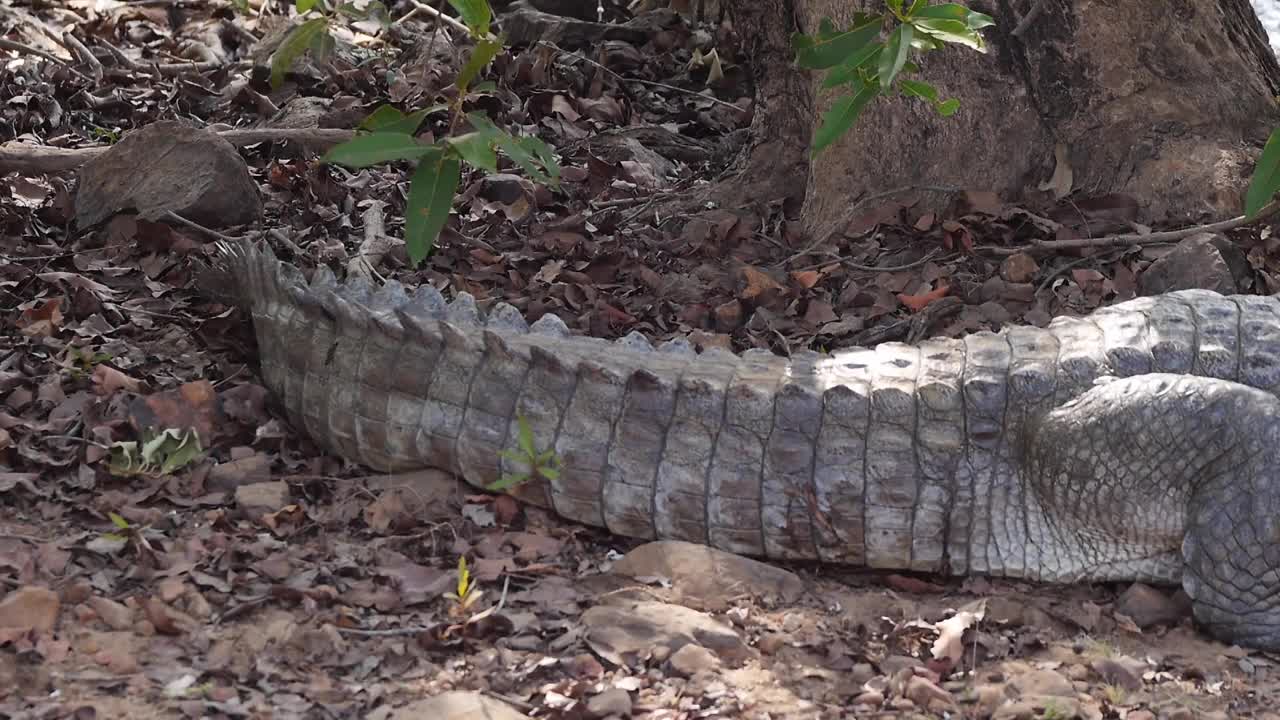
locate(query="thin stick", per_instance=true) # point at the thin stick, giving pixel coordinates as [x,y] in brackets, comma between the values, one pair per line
[70,42]
[12,45]
[171,215]
[1138,238]
[440,16]
[41,159]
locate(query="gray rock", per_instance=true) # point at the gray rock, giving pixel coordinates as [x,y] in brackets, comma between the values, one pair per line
[626,633]
[1042,682]
[1147,606]
[259,498]
[614,701]
[709,577]
[457,706]
[1123,672]
[168,166]
[924,693]
[1202,261]
[693,659]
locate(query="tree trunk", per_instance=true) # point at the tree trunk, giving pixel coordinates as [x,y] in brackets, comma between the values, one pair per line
[1168,101]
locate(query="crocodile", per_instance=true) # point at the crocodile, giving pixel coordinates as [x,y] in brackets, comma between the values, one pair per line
[1137,443]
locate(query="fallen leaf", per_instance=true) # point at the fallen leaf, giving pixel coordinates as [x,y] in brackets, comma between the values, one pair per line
[107,380]
[1062,180]
[916,303]
[41,318]
[950,642]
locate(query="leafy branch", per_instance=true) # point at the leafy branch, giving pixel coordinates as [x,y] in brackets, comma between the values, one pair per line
[390,137]
[313,35]
[869,64]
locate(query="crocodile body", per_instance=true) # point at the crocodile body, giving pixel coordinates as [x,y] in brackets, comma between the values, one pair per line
[1137,443]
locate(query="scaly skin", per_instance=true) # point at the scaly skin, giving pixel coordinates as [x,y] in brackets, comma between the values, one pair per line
[1134,444]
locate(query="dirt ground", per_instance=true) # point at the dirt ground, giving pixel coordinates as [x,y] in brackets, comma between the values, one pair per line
[254,576]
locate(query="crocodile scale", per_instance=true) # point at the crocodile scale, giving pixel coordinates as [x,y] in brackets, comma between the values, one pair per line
[1137,443]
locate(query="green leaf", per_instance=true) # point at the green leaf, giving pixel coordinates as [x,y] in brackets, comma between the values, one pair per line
[304,6]
[526,436]
[952,11]
[924,43]
[977,20]
[381,117]
[377,12]
[322,46]
[535,157]
[408,124]
[430,201]
[506,482]
[952,31]
[549,473]
[173,450]
[475,14]
[947,108]
[118,520]
[915,6]
[294,45]
[895,6]
[830,48]
[945,11]
[841,116]
[920,89]
[895,54]
[484,51]
[388,119]
[852,67]
[513,456]
[1265,182]
[484,86]
[365,150]
[241,5]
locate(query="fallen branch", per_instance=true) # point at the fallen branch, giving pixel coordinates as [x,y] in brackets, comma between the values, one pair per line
[19,47]
[42,159]
[87,57]
[158,69]
[1136,238]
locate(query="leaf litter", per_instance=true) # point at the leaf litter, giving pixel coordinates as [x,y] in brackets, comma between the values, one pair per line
[170,543]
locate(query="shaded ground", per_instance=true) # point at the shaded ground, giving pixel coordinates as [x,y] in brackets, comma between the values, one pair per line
[260,578]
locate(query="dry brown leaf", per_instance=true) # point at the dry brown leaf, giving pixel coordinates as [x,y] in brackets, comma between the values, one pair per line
[108,380]
[755,285]
[916,303]
[906,583]
[1062,180]
[806,279]
[41,318]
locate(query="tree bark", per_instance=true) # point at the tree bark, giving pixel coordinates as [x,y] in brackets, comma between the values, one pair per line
[1168,101]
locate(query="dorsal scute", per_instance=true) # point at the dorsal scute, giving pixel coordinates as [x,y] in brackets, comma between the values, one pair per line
[550,325]
[463,311]
[506,318]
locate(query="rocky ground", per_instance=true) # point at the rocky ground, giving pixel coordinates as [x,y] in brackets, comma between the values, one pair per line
[251,575]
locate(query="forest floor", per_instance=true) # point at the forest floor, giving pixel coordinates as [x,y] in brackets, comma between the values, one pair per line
[259,577]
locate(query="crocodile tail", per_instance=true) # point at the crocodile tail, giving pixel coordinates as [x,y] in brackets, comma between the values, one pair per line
[751,453]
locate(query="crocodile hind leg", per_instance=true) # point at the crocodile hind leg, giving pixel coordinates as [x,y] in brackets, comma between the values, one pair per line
[1157,476]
